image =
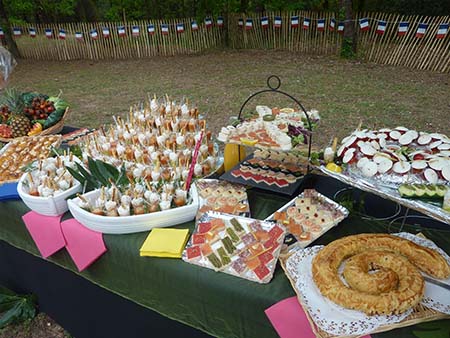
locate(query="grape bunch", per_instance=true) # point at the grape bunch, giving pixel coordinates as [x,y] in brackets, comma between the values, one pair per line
[4,114]
[5,131]
[40,109]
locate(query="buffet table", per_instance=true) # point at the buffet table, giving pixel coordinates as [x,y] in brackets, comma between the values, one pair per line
[216,303]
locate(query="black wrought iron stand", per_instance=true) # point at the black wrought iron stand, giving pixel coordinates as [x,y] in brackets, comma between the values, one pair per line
[274,88]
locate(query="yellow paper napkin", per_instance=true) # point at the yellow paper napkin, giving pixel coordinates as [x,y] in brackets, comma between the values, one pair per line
[165,243]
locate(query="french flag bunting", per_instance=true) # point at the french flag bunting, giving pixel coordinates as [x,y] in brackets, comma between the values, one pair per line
[294,21]
[306,23]
[241,22]
[106,33]
[32,32]
[2,33]
[332,24]
[165,29]
[17,32]
[151,29]
[265,22]
[421,30]
[208,22]
[364,24]
[121,31]
[277,22]
[381,27]
[341,28]
[48,33]
[442,31]
[248,24]
[94,34]
[180,28]
[62,34]
[194,25]
[220,21]
[321,25]
[135,31]
[79,36]
[402,28]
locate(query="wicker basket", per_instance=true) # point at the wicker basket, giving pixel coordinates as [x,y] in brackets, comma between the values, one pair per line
[420,314]
[55,129]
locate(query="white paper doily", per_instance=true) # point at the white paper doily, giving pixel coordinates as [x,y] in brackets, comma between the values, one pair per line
[436,297]
[329,316]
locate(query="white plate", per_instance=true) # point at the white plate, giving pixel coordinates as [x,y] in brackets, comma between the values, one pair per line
[134,223]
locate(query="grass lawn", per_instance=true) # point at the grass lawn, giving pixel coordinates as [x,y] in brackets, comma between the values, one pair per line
[344,92]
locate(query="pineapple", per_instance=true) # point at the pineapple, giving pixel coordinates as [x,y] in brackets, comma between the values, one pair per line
[19,123]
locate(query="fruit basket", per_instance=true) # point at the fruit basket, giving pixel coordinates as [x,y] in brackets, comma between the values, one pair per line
[30,114]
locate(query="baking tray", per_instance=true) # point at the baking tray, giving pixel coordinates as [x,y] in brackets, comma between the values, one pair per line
[202,200]
[240,246]
[290,190]
[290,240]
[392,194]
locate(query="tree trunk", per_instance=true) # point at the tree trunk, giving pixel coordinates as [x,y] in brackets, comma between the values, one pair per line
[348,49]
[4,23]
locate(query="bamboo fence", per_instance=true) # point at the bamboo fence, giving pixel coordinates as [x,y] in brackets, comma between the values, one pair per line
[114,46]
[408,50]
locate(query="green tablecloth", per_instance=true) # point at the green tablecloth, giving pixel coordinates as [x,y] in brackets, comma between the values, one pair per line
[217,303]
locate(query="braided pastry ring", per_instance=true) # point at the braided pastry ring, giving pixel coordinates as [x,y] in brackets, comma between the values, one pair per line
[393,255]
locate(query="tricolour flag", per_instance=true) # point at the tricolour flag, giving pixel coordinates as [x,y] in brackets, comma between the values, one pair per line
[208,22]
[180,28]
[105,32]
[32,32]
[94,34]
[121,31]
[248,24]
[332,24]
[2,33]
[306,23]
[135,31]
[165,29]
[220,21]
[402,28]
[48,33]
[294,21]
[364,24]
[321,25]
[79,36]
[421,30]
[341,28]
[151,29]
[17,32]
[194,25]
[381,27]
[62,34]
[442,31]
[241,22]
[277,22]
[264,22]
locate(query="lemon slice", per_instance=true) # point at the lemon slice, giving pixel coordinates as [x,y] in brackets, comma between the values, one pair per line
[287,110]
[334,167]
[248,141]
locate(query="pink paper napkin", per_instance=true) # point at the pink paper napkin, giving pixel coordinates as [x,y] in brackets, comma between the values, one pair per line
[45,231]
[84,245]
[289,319]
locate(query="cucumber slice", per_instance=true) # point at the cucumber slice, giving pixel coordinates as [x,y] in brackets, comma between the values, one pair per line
[431,191]
[406,190]
[441,190]
[420,190]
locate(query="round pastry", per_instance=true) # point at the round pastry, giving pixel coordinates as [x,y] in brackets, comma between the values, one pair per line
[382,273]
